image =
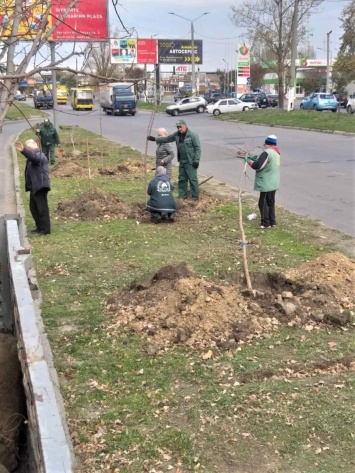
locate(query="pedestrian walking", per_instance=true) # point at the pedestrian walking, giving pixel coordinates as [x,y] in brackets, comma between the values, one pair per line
[161,204]
[267,180]
[164,153]
[188,156]
[37,183]
[49,139]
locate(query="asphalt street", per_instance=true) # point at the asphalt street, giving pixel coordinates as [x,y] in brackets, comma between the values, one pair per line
[318,169]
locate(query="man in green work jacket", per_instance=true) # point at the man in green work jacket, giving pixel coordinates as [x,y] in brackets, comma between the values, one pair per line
[188,155]
[49,138]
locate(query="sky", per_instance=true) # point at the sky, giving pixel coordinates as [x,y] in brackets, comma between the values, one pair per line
[220,37]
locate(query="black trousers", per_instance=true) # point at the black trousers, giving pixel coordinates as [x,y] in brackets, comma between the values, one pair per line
[40,211]
[267,208]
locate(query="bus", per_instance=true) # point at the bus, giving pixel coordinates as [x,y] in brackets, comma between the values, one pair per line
[82,98]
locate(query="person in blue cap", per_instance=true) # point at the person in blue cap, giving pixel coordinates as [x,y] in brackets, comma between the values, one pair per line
[267,179]
[188,155]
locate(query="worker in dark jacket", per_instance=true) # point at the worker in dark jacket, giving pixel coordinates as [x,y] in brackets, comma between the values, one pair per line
[49,139]
[37,182]
[161,205]
[188,155]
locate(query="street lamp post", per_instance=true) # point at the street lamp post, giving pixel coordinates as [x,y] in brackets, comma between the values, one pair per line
[226,74]
[193,75]
[328,70]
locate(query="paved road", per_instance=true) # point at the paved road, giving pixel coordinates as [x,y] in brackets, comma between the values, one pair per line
[318,169]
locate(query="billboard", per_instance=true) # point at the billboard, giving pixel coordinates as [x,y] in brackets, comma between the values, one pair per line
[32,18]
[86,21]
[147,51]
[123,51]
[177,51]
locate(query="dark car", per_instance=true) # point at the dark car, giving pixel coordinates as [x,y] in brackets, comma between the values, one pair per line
[341,98]
[273,100]
[258,97]
[215,97]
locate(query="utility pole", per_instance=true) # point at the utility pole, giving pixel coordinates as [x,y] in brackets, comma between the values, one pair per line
[54,84]
[193,74]
[292,85]
[328,71]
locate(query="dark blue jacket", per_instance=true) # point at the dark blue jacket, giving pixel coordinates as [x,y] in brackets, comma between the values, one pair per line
[37,171]
[161,199]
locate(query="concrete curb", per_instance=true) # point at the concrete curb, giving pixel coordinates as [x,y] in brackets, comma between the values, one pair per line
[50,446]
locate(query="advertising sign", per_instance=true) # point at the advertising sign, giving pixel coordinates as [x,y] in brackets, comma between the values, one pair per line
[147,51]
[123,51]
[178,51]
[87,21]
[243,63]
[32,18]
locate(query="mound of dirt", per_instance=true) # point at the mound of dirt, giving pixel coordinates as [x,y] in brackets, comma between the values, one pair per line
[332,270]
[176,306]
[70,169]
[131,166]
[94,205]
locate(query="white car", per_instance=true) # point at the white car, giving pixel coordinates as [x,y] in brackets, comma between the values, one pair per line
[230,105]
[189,104]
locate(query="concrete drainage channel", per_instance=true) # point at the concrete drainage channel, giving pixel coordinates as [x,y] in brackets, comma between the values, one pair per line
[33,432]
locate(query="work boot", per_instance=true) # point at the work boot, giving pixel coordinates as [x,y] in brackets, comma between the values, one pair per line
[156,218]
[172,217]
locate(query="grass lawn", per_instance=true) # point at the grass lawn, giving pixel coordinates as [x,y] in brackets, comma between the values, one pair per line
[20,110]
[309,119]
[178,411]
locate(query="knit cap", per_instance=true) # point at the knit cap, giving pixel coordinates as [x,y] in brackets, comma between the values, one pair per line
[271,140]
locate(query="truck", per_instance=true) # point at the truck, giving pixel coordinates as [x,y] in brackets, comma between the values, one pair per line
[43,99]
[118,98]
[82,98]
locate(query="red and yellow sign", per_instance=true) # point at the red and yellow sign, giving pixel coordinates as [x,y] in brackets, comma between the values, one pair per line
[32,18]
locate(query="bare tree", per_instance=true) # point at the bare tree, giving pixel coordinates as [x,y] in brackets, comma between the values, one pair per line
[269,22]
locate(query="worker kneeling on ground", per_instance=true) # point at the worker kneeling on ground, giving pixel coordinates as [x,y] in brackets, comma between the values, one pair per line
[161,204]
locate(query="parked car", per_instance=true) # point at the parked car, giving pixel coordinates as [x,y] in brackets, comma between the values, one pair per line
[256,97]
[320,101]
[230,105]
[215,97]
[273,100]
[189,104]
[341,98]
[20,97]
[350,106]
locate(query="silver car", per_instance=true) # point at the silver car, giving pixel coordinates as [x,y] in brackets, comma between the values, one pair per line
[188,104]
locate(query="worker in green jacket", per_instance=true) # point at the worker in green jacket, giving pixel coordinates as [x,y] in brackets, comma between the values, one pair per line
[188,155]
[267,180]
[49,139]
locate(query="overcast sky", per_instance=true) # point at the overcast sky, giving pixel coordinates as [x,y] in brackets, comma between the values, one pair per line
[220,37]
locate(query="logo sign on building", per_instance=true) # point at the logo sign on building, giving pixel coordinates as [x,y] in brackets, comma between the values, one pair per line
[147,51]
[182,69]
[123,51]
[178,51]
[86,21]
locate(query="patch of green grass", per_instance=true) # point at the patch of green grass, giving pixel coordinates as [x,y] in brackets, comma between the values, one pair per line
[241,410]
[308,119]
[19,110]
[151,106]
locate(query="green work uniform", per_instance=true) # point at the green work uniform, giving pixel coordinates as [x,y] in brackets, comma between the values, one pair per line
[49,138]
[188,152]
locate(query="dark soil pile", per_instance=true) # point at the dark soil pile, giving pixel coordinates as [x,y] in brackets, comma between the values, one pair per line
[94,205]
[70,169]
[131,166]
[176,306]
